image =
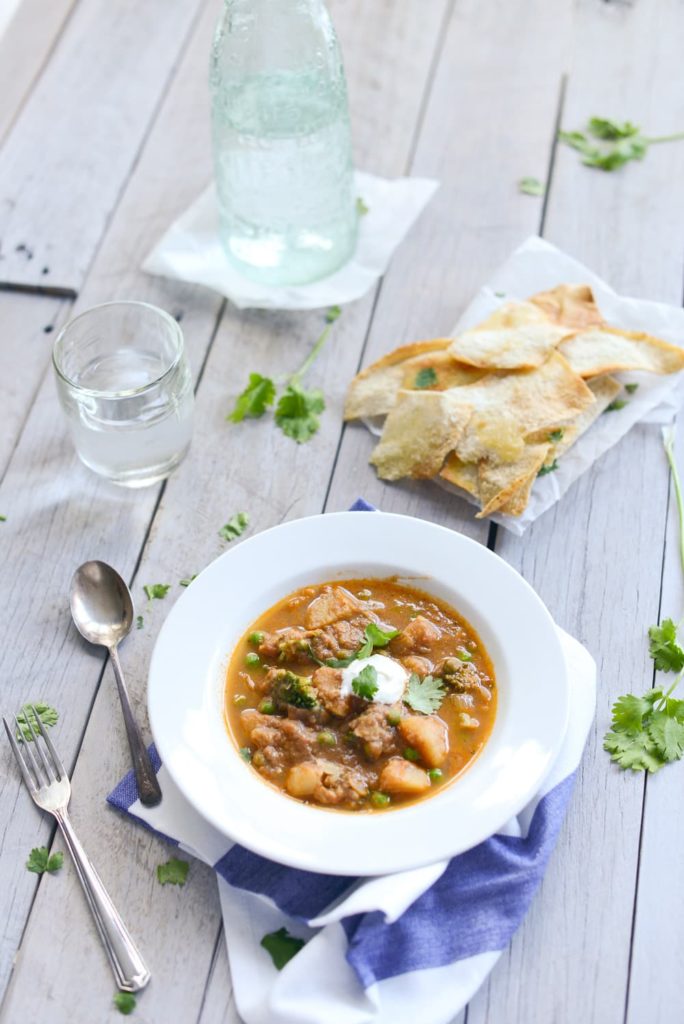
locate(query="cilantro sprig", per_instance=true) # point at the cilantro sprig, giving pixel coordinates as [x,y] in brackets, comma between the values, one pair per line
[298,410]
[374,637]
[608,144]
[156,591]
[230,531]
[40,860]
[424,695]
[648,731]
[281,947]
[47,714]
[173,872]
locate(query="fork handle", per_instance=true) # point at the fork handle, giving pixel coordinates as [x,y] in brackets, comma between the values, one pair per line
[129,968]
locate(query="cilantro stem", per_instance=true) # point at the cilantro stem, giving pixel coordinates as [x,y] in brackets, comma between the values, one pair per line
[655,139]
[308,362]
[669,444]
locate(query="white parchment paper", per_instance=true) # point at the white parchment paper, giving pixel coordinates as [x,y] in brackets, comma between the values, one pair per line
[191,249]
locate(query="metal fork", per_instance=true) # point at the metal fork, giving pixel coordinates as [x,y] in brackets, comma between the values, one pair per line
[50,789]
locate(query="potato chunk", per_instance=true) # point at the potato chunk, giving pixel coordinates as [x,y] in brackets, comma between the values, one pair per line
[302,779]
[429,735]
[332,604]
[403,778]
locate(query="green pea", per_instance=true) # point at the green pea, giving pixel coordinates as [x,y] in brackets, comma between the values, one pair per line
[252,659]
[267,707]
[435,774]
[256,638]
[379,799]
[411,754]
[327,739]
[246,753]
[464,655]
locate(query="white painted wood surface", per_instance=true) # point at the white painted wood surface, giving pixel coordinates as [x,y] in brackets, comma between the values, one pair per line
[469,93]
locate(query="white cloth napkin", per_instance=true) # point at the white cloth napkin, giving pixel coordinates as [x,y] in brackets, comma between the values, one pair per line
[400,949]
[191,251]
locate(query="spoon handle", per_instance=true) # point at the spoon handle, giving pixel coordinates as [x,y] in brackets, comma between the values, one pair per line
[145,777]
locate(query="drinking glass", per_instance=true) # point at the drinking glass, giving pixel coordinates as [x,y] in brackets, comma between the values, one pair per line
[125,386]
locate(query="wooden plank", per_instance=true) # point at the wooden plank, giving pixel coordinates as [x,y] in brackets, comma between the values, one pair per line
[183,536]
[219,1002]
[25,45]
[482,132]
[658,931]
[63,165]
[595,558]
[34,320]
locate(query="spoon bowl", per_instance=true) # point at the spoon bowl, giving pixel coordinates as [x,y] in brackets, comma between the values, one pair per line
[101,604]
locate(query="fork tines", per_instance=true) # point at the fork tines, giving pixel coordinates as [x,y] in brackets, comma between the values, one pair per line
[52,767]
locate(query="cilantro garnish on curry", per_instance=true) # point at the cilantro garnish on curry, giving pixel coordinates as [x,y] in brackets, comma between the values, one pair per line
[360,695]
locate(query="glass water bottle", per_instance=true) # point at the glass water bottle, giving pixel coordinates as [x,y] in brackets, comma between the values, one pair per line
[282,141]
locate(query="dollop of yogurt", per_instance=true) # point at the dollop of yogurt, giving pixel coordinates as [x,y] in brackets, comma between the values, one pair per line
[391,678]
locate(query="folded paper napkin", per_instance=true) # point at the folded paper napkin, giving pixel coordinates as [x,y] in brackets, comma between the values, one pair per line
[191,250]
[396,949]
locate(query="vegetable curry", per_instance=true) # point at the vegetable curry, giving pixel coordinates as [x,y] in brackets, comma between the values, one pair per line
[362,694]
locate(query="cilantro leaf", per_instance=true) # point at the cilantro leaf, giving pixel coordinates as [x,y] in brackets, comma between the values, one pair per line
[366,683]
[297,412]
[281,947]
[333,313]
[375,637]
[361,207]
[667,734]
[424,695]
[551,468]
[235,527]
[425,378]
[629,711]
[252,402]
[187,580]
[604,128]
[531,187]
[3,519]
[633,750]
[156,591]
[139,622]
[125,1002]
[174,872]
[40,860]
[631,388]
[48,716]
[663,647]
[556,435]
[616,405]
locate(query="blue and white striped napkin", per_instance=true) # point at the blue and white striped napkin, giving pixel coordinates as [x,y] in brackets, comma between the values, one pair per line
[397,949]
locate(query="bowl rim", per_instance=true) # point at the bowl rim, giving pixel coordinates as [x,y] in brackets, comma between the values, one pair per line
[376,862]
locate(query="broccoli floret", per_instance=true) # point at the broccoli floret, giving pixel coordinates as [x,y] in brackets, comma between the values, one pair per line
[298,691]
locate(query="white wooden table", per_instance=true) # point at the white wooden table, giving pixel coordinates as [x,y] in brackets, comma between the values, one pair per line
[103,140]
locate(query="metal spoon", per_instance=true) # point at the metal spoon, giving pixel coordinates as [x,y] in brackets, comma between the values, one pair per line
[102,609]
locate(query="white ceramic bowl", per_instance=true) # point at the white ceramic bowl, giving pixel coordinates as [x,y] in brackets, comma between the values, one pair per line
[188,666]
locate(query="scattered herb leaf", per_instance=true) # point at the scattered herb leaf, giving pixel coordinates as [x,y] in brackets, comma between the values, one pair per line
[616,405]
[332,315]
[187,580]
[361,207]
[3,519]
[174,872]
[235,527]
[424,695]
[619,142]
[139,622]
[500,295]
[551,468]
[281,947]
[253,401]
[156,591]
[366,683]
[48,716]
[556,435]
[246,754]
[426,377]
[297,412]
[125,1002]
[40,860]
[531,186]
[663,647]
[631,388]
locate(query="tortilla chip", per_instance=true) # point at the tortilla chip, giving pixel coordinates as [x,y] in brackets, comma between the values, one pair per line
[514,314]
[508,348]
[462,474]
[571,305]
[448,373]
[511,406]
[498,483]
[607,349]
[420,431]
[373,391]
